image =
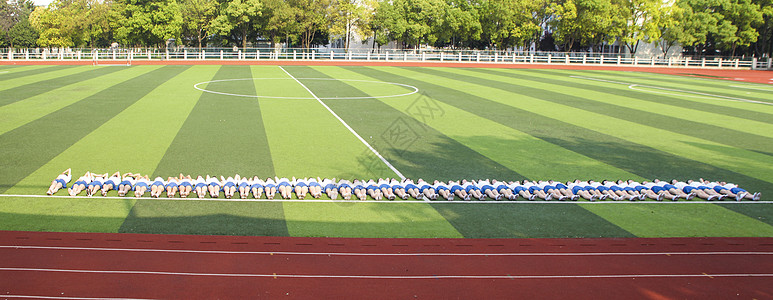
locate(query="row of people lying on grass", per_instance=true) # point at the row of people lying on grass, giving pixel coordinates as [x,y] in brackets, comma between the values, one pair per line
[392,188]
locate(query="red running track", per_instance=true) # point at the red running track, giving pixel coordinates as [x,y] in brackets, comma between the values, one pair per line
[741,75]
[141,266]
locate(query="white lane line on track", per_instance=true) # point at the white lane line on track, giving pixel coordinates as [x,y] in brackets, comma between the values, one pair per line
[346,125]
[388,254]
[704,95]
[139,272]
[391,201]
[4,296]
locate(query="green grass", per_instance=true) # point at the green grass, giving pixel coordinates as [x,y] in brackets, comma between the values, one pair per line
[464,123]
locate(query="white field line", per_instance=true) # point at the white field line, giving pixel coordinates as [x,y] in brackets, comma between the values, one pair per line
[6,296]
[415,89]
[346,125]
[705,95]
[139,272]
[388,201]
[527,254]
[752,88]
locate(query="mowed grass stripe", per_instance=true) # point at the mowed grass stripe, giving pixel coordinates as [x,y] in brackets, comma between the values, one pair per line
[512,148]
[416,150]
[34,86]
[681,220]
[710,126]
[345,219]
[469,98]
[27,148]
[748,163]
[526,220]
[27,110]
[305,139]
[367,220]
[566,93]
[19,74]
[744,110]
[222,135]
[701,85]
[500,221]
[759,211]
[62,214]
[133,140]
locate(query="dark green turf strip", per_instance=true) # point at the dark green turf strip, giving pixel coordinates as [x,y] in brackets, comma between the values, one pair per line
[657,98]
[429,154]
[223,135]
[36,88]
[758,211]
[632,157]
[206,217]
[35,71]
[527,221]
[704,131]
[27,148]
[694,82]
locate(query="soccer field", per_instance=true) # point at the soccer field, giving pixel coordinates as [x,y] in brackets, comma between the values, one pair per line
[335,121]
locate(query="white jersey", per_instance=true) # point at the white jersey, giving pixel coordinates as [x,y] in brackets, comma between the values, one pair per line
[65,177]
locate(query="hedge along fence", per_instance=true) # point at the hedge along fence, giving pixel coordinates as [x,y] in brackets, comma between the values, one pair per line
[469,56]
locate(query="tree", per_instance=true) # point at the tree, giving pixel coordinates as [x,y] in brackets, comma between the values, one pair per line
[149,22]
[461,23]
[639,20]
[197,14]
[507,23]
[22,35]
[348,17]
[15,30]
[236,20]
[671,28]
[313,19]
[583,22]
[277,21]
[412,22]
[61,24]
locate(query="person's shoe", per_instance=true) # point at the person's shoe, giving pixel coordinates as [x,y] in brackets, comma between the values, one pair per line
[550,196]
[757,196]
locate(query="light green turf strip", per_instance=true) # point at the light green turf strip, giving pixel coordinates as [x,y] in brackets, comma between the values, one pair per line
[367,220]
[513,149]
[726,121]
[21,112]
[147,128]
[684,96]
[701,85]
[305,139]
[16,82]
[62,214]
[681,220]
[743,161]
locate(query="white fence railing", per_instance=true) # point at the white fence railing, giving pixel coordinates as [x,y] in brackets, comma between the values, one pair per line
[384,56]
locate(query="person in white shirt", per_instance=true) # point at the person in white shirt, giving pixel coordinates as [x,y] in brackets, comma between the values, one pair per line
[111,183]
[60,182]
[141,186]
[80,184]
[157,187]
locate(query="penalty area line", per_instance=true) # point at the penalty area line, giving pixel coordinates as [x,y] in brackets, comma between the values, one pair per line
[346,125]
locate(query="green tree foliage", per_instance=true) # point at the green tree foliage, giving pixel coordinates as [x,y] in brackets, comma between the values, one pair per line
[197,14]
[149,22]
[277,21]
[461,24]
[639,20]
[583,22]
[15,30]
[236,20]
